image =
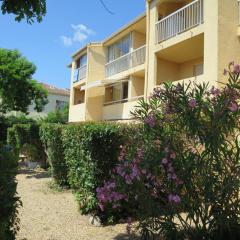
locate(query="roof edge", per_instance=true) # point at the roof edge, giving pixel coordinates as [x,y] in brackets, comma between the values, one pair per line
[140,17]
[85,48]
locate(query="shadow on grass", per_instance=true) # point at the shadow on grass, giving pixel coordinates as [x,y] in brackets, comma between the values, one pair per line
[31,173]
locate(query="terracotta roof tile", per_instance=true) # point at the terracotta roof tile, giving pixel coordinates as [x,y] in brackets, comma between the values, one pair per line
[54,90]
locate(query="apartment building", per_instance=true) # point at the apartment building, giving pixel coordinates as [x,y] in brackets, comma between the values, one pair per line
[175,40]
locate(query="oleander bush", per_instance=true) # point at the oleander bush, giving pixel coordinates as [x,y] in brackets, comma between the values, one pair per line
[91,150]
[25,137]
[51,137]
[9,200]
[184,171]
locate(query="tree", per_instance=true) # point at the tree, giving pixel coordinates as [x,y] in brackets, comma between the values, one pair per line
[17,88]
[25,9]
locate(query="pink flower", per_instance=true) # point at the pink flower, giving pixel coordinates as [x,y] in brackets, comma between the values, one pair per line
[164,161]
[150,120]
[236,69]
[215,91]
[192,103]
[174,176]
[173,155]
[174,199]
[233,107]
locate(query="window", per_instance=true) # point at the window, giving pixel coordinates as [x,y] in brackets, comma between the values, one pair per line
[198,70]
[120,48]
[60,104]
[82,61]
[125,90]
[116,92]
[79,96]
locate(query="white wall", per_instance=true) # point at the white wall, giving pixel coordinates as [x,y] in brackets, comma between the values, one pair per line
[51,106]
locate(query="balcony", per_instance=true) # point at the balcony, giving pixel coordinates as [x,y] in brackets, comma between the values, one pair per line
[80,73]
[180,21]
[120,110]
[77,113]
[126,62]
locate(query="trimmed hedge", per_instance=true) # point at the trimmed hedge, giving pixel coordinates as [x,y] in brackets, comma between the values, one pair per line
[91,151]
[7,122]
[22,134]
[79,155]
[51,137]
[9,201]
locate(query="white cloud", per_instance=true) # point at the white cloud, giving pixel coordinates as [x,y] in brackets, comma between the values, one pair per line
[67,41]
[80,34]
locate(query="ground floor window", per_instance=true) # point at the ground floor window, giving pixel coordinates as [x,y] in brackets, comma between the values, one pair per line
[79,96]
[116,92]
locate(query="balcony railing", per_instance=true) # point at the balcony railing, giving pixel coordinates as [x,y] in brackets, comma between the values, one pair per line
[182,20]
[80,73]
[124,100]
[125,62]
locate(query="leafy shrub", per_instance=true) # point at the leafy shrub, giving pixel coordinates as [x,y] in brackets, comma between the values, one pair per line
[91,150]
[8,121]
[184,171]
[9,201]
[22,134]
[57,116]
[51,137]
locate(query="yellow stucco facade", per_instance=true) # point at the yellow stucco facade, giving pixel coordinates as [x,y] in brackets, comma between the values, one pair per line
[175,40]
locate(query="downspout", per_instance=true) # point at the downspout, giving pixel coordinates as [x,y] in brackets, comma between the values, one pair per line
[147,52]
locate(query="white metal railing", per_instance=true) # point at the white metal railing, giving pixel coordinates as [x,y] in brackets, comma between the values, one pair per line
[183,19]
[124,100]
[125,62]
[80,73]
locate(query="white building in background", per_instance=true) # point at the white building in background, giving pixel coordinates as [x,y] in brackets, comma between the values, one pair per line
[58,98]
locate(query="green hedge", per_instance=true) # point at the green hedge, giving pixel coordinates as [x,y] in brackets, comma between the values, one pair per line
[8,122]
[79,155]
[9,201]
[22,134]
[51,137]
[91,151]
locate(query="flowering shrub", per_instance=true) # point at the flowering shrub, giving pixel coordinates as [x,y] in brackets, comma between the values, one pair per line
[182,177]
[90,151]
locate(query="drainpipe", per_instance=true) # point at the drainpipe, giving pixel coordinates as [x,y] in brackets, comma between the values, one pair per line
[147,50]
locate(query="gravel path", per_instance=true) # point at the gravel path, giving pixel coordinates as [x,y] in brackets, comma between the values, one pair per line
[49,215]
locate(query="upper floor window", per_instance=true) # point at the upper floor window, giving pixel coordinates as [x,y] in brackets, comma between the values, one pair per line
[120,48]
[82,61]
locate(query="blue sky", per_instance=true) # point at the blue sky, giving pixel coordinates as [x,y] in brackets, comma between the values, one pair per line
[68,25]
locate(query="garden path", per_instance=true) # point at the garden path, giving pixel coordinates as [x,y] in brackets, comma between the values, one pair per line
[53,215]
